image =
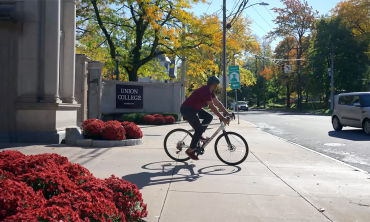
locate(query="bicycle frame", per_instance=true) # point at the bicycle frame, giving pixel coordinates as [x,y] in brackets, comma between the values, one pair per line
[222,127]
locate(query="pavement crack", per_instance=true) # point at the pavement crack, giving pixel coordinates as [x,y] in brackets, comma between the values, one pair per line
[291,187]
[168,189]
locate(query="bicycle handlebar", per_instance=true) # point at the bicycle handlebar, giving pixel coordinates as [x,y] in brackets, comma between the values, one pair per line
[230,118]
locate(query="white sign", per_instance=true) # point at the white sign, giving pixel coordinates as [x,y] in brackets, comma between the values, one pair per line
[288,69]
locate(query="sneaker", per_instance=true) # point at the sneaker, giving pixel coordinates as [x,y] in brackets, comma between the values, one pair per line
[191,155]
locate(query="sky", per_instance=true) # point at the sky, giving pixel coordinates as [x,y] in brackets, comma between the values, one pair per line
[261,16]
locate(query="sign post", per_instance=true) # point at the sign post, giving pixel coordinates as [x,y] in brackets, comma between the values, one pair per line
[234,76]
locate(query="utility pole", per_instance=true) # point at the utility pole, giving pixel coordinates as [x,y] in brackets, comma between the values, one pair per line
[183,70]
[332,78]
[264,81]
[299,86]
[224,53]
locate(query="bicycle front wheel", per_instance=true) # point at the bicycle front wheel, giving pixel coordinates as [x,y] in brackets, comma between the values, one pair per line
[231,148]
[176,143]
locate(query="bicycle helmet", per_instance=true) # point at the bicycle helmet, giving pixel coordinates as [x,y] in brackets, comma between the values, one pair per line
[213,80]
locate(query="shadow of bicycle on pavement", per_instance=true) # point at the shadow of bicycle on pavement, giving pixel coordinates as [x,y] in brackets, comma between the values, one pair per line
[170,172]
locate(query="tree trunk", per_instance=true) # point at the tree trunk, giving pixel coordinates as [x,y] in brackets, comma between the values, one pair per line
[132,75]
[287,96]
[327,95]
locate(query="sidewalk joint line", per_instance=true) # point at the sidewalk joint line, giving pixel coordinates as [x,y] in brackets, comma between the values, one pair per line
[168,189]
[291,187]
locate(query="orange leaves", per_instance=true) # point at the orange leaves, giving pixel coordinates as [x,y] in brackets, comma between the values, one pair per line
[267,73]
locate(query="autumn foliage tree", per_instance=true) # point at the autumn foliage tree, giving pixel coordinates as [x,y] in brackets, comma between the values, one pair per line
[205,60]
[140,31]
[296,20]
[355,15]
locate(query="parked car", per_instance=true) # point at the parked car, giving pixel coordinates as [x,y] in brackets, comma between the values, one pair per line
[242,105]
[352,109]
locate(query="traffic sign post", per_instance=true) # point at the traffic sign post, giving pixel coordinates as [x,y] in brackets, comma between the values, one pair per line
[234,76]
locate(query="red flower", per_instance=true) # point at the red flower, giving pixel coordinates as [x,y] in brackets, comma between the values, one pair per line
[159,120]
[88,121]
[50,183]
[52,213]
[127,198]
[17,197]
[169,119]
[93,129]
[97,185]
[125,123]
[133,131]
[148,119]
[157,115]
[9,155]
[89,206]
[5,175]
[113,130]
[73,193]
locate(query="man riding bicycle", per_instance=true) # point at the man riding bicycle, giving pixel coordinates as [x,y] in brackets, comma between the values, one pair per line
[194,105]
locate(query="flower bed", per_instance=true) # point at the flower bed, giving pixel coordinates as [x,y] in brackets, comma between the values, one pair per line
[158,119]
[47,187]
[110,130]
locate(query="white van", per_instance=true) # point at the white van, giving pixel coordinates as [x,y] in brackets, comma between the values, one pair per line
[352,109]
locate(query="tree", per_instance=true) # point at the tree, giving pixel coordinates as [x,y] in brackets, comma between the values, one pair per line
[205,60]
[295,20]
[355,15]
[140,30]
[350,58]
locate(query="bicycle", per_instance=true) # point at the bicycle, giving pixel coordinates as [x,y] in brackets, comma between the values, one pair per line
[181,145]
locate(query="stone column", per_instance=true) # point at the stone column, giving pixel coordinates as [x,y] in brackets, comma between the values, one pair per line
[67,77]
[52,51]
[81,86]
[94,89]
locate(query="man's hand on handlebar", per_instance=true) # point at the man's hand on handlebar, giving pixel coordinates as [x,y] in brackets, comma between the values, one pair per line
[232,115]
[225,120]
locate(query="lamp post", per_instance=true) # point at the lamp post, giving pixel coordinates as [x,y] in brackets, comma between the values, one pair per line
[224,29]
[118,58]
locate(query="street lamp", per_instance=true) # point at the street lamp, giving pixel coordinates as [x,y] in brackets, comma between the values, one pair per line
[118,57]
[224,28]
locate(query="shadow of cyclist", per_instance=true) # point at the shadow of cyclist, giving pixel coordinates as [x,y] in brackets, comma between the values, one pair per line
[171,172]
[167,174]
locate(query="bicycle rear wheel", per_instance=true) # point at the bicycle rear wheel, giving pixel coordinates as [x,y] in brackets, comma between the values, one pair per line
[176,143]
[231,148]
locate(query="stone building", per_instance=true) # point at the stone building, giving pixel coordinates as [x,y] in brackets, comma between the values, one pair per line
[37,70]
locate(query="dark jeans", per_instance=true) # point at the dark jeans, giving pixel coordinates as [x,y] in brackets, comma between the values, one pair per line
[190,115]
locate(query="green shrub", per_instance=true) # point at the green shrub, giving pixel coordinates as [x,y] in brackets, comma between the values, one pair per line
[129,117]
[139,117]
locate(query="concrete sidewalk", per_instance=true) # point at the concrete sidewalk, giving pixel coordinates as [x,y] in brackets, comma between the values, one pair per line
[279,181]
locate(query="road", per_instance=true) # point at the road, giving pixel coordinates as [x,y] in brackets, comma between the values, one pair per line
[315,132]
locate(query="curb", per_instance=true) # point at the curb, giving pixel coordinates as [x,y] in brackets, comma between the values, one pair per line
[108,143]
[338,161]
